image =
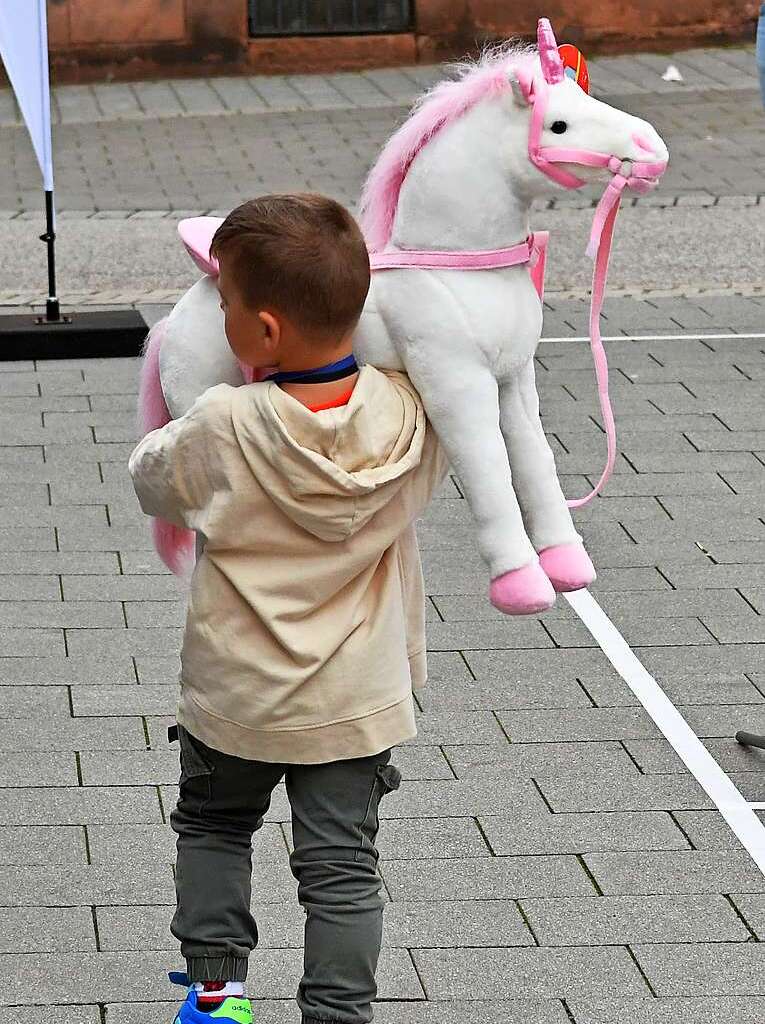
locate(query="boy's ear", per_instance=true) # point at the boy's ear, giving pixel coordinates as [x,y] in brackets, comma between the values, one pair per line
[272,330]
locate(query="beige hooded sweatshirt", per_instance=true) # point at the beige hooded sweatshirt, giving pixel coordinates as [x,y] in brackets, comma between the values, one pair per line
[305,625]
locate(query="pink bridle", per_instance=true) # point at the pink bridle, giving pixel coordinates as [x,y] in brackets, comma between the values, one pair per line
[641,177]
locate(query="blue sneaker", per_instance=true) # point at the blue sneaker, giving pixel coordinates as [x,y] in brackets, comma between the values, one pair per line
[236,1009]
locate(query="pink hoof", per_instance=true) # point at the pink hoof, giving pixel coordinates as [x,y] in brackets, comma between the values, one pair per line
[522,591]
[568,567]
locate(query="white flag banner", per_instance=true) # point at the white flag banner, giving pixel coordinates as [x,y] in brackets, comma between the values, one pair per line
[24,50]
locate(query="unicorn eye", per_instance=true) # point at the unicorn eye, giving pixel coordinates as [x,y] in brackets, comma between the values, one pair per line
[559,127]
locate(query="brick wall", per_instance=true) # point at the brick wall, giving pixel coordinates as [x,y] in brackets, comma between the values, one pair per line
[144,38]
[600,25]
[96,39]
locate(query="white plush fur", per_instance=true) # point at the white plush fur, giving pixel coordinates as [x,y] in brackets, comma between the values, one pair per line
[466,338]
[195,354]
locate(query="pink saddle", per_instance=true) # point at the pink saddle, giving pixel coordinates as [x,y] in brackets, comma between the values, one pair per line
[197,234]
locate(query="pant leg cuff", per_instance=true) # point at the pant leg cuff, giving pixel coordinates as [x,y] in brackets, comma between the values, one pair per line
[216,968]
[321,1020]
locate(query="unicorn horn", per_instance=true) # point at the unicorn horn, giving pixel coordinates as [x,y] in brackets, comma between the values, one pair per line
[552,65]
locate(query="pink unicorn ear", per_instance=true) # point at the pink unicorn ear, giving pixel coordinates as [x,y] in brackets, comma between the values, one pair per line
[521,80]
[552,65]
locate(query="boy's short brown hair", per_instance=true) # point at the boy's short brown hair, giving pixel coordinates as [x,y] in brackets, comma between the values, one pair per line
[301,253]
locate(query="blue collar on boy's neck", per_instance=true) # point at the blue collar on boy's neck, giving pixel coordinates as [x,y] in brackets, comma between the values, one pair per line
[344,367]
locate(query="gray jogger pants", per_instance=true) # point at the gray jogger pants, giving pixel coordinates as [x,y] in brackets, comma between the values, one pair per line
[222,801]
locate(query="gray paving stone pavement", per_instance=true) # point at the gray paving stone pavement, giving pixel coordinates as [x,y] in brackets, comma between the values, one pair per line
[726,69]
[202,146]
[548,856]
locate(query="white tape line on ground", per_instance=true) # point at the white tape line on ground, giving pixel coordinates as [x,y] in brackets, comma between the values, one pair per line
[699,762]
[688,336]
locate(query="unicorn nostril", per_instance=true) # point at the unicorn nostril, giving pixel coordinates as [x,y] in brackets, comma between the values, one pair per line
[642,143]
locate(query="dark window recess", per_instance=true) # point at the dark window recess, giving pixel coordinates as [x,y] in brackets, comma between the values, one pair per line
[328,17]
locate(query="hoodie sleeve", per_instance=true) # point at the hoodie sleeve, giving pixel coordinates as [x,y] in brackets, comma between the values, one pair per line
[177,469]
[422,484]
[413,595]
[424,481]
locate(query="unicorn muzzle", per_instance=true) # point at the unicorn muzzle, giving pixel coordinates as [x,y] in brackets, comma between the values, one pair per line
[639,175]
[649,144]
[648,162]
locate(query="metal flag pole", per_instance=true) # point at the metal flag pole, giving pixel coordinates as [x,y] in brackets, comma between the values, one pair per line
[24,51]
[52,309]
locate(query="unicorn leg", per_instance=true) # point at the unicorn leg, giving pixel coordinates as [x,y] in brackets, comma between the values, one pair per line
[546,514]
[463,407]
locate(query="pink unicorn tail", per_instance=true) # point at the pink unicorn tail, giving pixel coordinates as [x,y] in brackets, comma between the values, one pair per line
[175,545]
[152,408]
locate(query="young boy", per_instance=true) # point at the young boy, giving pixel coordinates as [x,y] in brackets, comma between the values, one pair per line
[305,627]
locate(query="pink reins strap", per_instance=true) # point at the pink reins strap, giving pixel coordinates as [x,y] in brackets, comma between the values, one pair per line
[639,176]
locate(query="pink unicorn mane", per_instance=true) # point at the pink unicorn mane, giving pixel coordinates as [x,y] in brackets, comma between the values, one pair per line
[437,108]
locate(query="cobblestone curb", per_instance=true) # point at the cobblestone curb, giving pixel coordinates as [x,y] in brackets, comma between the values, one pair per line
[171,296]
[655,200]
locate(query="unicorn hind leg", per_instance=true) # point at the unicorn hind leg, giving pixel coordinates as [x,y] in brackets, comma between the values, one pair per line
[174,544]
[545,511]
[195,354]
[152,408]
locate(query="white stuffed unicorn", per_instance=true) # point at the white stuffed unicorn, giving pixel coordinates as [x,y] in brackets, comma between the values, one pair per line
[456,295]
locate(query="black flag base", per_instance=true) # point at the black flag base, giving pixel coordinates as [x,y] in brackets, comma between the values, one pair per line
[90,335]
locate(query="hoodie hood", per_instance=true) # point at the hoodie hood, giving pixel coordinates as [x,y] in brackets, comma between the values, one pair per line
[331,471]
